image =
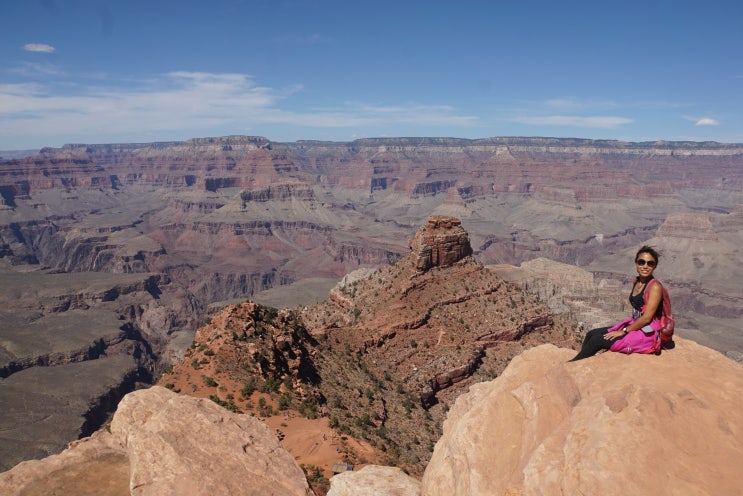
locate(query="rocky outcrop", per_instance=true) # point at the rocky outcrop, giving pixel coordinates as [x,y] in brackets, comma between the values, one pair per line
[688,226]
[160,443]
[278,192]
[429,333]
[442,242]
[611,424]
[374,480]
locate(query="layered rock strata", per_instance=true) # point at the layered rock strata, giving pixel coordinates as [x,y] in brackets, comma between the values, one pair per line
[442,242]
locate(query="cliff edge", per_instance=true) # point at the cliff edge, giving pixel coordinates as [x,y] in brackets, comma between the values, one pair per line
[611,424]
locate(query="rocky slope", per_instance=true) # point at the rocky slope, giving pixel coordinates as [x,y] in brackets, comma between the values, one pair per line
[383,358]
[611,424]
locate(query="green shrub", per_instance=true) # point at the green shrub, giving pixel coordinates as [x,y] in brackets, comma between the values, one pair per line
[248,388]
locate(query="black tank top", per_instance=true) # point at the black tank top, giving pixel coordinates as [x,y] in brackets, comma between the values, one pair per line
[638,301]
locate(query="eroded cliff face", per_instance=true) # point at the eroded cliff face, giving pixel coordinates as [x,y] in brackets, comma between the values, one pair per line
[442,242]
[72,346]
[255,208]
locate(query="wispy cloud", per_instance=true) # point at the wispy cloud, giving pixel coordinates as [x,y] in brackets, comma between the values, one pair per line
[39,47]
[579,104]
[707,121]
[32,70]
[185,103]
[297,39]
[600,122]
[588,113]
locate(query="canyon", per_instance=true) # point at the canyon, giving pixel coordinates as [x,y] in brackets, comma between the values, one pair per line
[111,256]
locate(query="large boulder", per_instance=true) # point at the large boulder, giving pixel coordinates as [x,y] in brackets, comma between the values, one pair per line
[374,480]
[161,443]
[610,424]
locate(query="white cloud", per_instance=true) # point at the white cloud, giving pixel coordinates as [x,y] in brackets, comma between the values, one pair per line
[602,122]
[38,47]
[707,121]
[181,104]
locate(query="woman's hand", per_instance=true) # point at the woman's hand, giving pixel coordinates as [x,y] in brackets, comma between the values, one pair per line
[614,335]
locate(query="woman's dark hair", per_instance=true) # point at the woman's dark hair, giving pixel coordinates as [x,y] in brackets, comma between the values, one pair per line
[650,250]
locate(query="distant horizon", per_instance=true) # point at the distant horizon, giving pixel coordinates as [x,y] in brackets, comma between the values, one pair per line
[368,138]
[101,71]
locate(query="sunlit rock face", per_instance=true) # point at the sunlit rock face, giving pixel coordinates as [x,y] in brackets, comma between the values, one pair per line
[160,444]
[611,424]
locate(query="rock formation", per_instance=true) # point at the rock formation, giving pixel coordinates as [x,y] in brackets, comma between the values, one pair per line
[72,345]
[442,242]
[374,480]
[569,290]
[611,424]
[160,444]
[380,359]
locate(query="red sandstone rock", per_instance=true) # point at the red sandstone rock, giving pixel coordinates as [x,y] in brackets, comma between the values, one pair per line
[442,242]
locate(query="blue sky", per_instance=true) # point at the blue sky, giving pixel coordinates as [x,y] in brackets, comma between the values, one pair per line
[102,71]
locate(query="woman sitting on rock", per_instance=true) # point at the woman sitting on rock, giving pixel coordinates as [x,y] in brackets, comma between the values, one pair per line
[634,335]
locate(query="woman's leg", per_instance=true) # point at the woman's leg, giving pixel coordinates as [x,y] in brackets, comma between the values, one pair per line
[593,343]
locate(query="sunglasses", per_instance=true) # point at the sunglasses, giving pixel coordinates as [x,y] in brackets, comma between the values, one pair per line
[641,262]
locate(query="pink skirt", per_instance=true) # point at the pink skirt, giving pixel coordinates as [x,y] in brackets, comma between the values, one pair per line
[635,341]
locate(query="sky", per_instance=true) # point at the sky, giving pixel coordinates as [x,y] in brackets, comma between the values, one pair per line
[108,71]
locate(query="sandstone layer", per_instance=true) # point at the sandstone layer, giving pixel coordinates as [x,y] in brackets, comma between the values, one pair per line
[610,424]
[160,443]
